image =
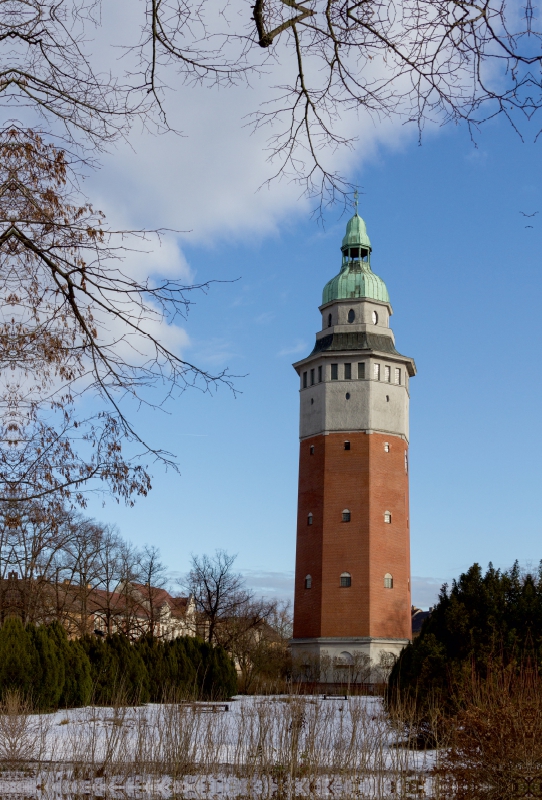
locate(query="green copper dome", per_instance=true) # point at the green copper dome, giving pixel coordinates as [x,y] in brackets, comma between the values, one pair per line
[356,233]
[356,278]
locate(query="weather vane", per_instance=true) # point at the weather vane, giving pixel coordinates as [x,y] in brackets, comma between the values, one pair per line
[356,198]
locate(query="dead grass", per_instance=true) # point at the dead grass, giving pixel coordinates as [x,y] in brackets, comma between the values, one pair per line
[265,748]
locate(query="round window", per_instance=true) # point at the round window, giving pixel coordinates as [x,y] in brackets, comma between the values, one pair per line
[351,315]
[375,318]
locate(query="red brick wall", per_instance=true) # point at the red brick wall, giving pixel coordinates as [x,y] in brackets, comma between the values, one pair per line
[368,481]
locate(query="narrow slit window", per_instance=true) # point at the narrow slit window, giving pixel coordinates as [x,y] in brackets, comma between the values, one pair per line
[387,374]
[312,377]
[397,376]
[334,372]
[387,517]
[361,371]
[304,380]
[406,462]
[376,372]
[311,450]
[347,445]
[308,582]
[386,447]
[329,320]
[320,374]
[309,519]
[346,580]
[347,372]
[346,515]
[388,581]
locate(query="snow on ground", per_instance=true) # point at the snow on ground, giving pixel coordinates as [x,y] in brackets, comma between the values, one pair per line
[255,747]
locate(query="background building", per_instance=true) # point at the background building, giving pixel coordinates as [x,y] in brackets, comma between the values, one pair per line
[352,584]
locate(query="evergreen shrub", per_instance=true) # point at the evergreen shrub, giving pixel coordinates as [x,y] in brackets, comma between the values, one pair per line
[52,671]
[482,624]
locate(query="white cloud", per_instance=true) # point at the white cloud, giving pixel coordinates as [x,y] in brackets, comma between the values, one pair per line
[207,182]
[276,585]
[298,347]
[425,591]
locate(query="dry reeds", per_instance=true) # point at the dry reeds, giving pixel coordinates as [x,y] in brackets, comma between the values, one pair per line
[496,737]
[261,747]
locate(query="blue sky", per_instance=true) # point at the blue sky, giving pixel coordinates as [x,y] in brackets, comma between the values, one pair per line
[464,276]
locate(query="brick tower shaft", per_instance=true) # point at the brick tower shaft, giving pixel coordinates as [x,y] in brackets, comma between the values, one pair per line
[352,583]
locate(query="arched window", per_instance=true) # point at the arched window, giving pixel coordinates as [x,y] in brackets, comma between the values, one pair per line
[308,582]
[375,318]
[346,515]
[386,447]
[346,580]
[329,318]
[387,517]
[309,519]
[351,315]
[388,581]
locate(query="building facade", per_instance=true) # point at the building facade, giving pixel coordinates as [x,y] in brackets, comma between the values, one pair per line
[352,583]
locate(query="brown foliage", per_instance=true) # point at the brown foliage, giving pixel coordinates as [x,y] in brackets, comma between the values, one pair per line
[496,737]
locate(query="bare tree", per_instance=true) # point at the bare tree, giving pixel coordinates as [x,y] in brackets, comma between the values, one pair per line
[219,593]
[153,580]
[228,610]
[419,60]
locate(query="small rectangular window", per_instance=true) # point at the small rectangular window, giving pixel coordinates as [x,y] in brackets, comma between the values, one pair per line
[376,372]
[319,374]
[304,380]
[347,372]
[397,376]
[334,372]
[347,445]
[361,371]
[312,377]
[311,450]
[387,374]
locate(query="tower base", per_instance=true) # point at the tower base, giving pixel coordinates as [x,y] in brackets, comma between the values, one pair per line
[345,660]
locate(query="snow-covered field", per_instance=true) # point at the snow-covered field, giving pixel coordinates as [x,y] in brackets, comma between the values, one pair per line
[258,748]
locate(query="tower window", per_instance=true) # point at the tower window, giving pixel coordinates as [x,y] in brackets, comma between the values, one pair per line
[308,582]
[312,377]
[319,374]
[406,461]
[309,519]
[334,372]
[346,515]
[387,374]
[375,318]
[376,372]
[311,450]
[387,517]
[361,371]
[347,445]
[346,580]
[386,447]
[329,319]
[388,581]
[347,395]
[304,380]
[351,315]
[347,372]
[397,376]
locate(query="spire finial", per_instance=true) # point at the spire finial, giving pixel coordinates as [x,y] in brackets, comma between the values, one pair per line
[356,200]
